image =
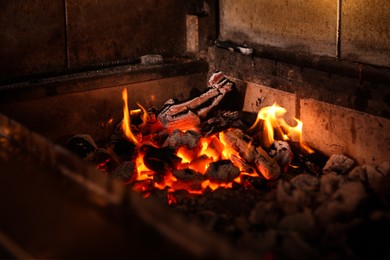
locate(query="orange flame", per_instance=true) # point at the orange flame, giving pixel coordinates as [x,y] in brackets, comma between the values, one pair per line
[126,123]
[273,120]
[210,149]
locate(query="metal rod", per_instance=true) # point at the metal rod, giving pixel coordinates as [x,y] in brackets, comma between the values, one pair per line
[338,32]
[66,33]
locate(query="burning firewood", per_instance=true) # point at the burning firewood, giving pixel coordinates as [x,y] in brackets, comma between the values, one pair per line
[265,165]
[188,114]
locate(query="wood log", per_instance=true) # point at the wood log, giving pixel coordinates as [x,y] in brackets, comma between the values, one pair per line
[265,165]
[187,114]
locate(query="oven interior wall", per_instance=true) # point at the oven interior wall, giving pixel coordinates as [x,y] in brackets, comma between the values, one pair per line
[324,58]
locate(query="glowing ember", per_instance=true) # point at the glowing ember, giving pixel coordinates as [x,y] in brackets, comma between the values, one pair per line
[189,167]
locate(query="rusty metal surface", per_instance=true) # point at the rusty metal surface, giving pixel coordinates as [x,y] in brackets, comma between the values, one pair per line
[104,30]
[56,206]
[32,37]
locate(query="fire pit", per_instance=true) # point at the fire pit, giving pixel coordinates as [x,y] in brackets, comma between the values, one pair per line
[266,197]
[198,129]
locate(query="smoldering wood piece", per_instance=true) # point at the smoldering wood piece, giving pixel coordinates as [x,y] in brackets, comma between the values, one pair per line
[338,163]
[242,164]
[177,138]
[265,165]
[124,171]
[159,160]
[82,145]
[226,119]
[222,171]
[180,114]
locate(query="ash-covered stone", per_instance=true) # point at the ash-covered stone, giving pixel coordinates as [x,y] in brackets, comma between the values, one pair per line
[338,163]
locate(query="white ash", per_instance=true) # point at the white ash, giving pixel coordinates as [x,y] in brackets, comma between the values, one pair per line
[338,163]
[281,151]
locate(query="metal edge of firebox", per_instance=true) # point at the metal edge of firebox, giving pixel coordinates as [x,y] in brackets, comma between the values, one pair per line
[110,195]
[98,78]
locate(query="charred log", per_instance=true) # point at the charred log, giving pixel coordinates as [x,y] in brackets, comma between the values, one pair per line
[188,114]
[265,165]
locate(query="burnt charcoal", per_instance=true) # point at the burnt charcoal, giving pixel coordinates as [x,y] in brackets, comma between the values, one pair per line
[305,182]
[255,182]
[338,163]
[124,171]
[105,160]
[265,214]
[295,246]
[223,121]
[188,175]
[302,222]
[331,182]
[222,171]
[189,139]
[290,198]
[82,145]
[358,174]
[378,181]
[159,160]
[342,204]
[368,239]
[309,162]
[124,149]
